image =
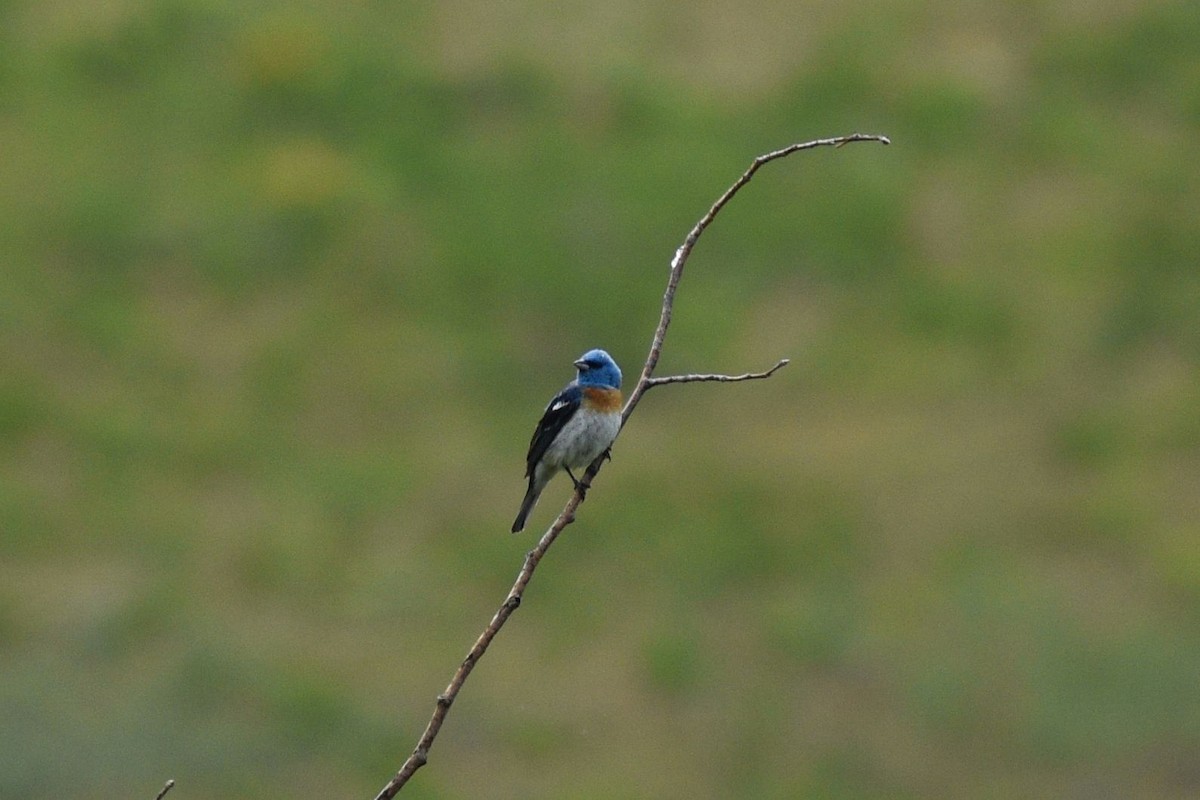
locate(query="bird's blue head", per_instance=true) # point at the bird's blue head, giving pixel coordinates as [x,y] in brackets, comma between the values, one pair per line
[596,368]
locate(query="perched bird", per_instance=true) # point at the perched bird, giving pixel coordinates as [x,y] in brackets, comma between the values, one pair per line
[579,424]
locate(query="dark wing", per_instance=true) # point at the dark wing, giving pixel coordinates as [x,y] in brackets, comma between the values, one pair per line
[561,409]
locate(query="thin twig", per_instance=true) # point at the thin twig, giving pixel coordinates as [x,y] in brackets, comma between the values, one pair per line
[646,381]
[699,377]
[166,788]
[420,755]
[685,249]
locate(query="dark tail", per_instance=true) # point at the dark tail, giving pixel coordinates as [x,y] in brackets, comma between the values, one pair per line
[531,498]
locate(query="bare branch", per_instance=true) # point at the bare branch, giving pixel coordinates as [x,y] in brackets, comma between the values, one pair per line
[685,249]
[166,788]
[420,755]
[697,377]
[646,381]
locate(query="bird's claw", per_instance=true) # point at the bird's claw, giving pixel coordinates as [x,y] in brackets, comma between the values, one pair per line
[580,486]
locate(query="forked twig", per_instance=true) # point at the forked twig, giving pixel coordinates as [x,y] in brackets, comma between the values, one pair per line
[685,249]
[646,381]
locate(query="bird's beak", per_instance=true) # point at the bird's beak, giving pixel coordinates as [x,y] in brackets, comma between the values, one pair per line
[581,364]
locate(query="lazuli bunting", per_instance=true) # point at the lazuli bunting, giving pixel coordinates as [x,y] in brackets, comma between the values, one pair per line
[580,423]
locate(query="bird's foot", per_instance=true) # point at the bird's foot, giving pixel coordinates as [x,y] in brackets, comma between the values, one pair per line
[580,486]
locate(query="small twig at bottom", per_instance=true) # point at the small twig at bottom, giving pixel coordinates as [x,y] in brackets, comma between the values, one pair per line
[166,788]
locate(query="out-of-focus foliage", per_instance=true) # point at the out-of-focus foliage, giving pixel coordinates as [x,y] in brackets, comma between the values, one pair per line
[286,285]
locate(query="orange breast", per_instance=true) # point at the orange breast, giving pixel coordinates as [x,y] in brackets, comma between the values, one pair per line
[607,400]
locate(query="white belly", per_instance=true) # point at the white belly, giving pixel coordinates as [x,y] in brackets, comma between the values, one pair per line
[586,435]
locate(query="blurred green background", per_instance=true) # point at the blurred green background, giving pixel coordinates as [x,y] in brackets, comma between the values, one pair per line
[286,286]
